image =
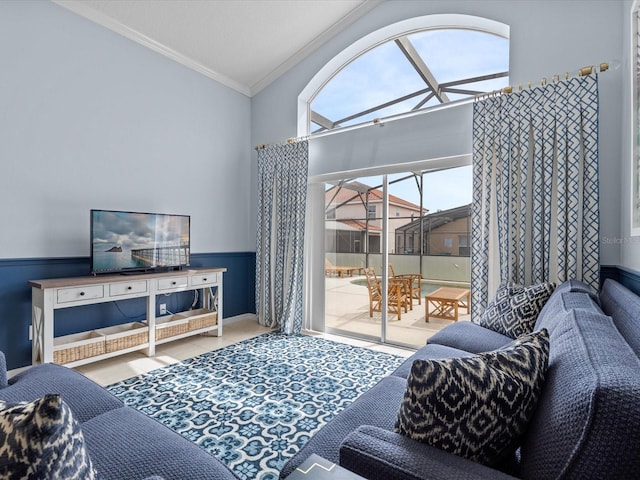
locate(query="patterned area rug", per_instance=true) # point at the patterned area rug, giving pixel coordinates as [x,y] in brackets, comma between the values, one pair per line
[254,404]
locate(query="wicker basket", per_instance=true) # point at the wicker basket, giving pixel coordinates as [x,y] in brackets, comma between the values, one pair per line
[78,346]
[171,326]
[201,318]
[121,337]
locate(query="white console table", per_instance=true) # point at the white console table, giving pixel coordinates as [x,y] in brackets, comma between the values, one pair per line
[49,295]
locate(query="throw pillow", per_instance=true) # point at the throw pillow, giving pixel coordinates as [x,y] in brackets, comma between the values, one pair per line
[476,407]
[42,440]
[514,309]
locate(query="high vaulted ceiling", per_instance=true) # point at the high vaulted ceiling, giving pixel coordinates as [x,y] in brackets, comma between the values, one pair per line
[244,44]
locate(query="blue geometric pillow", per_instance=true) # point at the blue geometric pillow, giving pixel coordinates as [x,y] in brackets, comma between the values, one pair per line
[515,309]
[41,440]
[476,407]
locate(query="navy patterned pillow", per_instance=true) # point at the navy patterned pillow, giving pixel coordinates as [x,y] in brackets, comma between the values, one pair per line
[42,440]
[515,309]
[476,407]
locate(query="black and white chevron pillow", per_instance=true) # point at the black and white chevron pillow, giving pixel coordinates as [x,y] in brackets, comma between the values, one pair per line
[514,309]
[476,407]
[42,440]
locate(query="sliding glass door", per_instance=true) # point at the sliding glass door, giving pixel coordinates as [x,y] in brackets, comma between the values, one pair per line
[385,250]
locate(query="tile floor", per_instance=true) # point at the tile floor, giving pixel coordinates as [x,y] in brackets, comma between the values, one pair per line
[235,330]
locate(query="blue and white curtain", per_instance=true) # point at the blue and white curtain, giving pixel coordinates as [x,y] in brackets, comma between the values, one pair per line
[535,187]
[282,198]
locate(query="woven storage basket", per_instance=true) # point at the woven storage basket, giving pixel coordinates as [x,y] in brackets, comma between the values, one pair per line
[171,326]
[201,318]
[78,346]
[121,337]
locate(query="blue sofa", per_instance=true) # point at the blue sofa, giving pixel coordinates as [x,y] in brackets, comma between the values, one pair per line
[123,444]
[587,420]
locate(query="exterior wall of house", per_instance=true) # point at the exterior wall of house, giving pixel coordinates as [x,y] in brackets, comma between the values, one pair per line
[445,240]
[449,239]
[399,215]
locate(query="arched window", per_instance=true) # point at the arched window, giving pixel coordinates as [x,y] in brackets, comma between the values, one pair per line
[413,70]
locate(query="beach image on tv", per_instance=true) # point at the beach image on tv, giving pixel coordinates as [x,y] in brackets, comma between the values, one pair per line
[125,240]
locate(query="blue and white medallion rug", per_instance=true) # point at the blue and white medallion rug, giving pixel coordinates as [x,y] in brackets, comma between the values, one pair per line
[254,404]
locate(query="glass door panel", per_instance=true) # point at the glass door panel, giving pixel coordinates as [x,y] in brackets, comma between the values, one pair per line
[353,225]
[428,239]
[432,249]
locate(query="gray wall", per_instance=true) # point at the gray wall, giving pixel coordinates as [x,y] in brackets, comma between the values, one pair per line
[547,38]
[89,119]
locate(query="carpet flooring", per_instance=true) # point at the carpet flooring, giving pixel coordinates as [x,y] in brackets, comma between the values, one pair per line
[254,404]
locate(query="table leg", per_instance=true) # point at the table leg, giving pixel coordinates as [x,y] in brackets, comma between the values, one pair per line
[426,310]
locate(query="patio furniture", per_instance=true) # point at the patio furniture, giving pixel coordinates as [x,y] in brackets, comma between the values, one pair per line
[397,297]
[446,301]
[331,271]
[415,284]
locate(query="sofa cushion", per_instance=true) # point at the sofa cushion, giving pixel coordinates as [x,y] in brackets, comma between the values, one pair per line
[85,398]
[378,454]
[125,444]
[428,352]
[476,407]
[570,295]
[470,337]
[515,308]
[624,307]
[41,440]
[588,409]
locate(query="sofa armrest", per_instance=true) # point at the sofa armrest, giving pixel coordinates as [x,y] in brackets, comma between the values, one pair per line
[3,371]
[379,454]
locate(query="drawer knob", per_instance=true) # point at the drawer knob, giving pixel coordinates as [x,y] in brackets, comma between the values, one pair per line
[129,287]
[173,283]
[82,294]
[204,279]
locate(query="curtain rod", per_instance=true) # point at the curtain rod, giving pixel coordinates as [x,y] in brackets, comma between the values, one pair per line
[289,140]
[582,72]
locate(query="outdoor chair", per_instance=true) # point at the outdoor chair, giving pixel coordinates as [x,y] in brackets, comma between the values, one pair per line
[415,284]
[397,296]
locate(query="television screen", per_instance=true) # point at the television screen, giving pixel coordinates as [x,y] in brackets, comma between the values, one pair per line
[133,241]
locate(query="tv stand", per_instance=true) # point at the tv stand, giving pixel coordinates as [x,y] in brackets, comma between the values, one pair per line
[49,295]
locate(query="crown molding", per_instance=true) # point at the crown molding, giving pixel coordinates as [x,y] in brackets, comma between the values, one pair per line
[84,10]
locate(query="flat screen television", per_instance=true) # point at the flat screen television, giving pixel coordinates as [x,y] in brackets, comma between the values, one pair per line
[135,242]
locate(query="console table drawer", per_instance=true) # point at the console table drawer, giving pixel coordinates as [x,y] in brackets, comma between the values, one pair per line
[204,279]
[173,282]
[116,289]
[75,294]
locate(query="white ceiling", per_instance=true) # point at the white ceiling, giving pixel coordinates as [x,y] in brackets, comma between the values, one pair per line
[244,44]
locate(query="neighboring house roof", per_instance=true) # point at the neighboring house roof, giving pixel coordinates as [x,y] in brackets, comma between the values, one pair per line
[342,195]
[437,219]
[358,225]
[350,225]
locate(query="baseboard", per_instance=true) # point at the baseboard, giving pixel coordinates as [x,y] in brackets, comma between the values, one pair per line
[240,318]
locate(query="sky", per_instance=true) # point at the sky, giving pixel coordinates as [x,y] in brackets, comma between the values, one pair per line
[384,73]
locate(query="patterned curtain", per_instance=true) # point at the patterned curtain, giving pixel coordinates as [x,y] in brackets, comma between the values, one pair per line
[535,188]
[282,197]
